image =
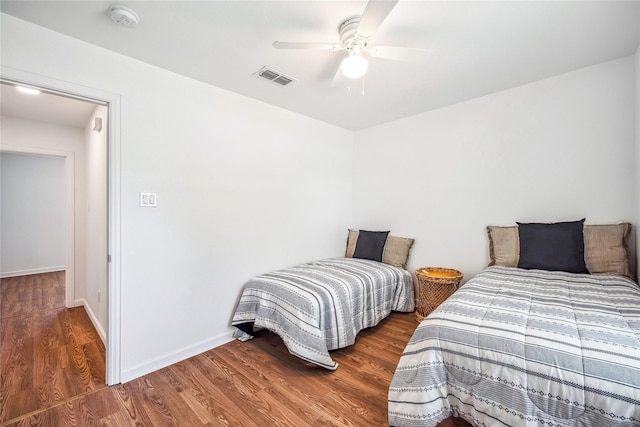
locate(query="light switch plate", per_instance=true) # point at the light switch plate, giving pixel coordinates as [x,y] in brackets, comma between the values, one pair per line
[148,200]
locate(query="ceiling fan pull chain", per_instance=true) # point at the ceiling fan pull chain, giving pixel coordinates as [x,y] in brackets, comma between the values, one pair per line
[362,85]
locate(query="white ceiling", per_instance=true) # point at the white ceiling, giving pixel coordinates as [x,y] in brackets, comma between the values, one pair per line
[45,107]
[479,47]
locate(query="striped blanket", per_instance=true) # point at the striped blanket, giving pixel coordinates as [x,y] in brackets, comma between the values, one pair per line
[517,347]
[322,305]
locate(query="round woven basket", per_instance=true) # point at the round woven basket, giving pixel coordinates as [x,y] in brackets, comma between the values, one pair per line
[435,284]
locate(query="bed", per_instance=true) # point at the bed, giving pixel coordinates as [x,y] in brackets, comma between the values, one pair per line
[322,305]
[529,346]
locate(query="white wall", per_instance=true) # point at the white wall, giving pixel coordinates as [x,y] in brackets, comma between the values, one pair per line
[29,135]
[95,209]
[557,149]
[33,214]
[243,187]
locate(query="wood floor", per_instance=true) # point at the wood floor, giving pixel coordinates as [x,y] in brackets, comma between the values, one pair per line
[256,383]
[48,353]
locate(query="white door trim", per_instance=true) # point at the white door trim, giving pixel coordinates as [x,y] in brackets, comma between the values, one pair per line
[113,353]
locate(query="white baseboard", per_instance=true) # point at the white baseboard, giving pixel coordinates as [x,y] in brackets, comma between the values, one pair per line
[93,318]
[175,357]
[31,271]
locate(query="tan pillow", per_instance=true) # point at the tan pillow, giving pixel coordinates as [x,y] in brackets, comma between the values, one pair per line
[396,249]
[504,245]
[606,247]
[352,238]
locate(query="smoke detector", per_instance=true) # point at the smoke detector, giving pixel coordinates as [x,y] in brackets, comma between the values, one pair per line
[124,16]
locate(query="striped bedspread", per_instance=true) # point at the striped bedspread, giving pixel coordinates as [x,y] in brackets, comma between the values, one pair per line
[517,347]
[322,305]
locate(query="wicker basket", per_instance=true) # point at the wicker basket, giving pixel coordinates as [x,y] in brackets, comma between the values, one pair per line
[435,284]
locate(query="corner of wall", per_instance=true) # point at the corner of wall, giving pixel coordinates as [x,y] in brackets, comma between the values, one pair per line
[94,319]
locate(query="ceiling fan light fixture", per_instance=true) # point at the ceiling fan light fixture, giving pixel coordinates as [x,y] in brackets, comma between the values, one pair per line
[354,66]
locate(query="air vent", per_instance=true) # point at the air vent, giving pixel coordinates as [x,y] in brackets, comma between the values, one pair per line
[274,76]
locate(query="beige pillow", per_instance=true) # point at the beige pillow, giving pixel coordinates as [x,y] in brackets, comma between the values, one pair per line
[396,249]
[606,247]
[352,238]
[504,246]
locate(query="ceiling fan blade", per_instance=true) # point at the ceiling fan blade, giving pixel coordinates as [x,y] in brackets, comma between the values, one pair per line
[308,46]
[407,54]
[373,15]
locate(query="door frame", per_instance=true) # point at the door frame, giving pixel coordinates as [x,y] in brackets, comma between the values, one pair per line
[112,100]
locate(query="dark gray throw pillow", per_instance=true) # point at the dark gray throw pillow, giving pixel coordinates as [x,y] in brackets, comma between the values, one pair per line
[556,246]
[370,245]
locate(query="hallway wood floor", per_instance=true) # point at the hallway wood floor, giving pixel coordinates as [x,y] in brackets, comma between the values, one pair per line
[48,353]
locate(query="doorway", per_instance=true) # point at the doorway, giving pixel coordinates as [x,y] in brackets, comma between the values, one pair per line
[111,129]
[57,126]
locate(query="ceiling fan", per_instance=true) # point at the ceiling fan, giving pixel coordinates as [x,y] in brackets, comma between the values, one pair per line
[355,34]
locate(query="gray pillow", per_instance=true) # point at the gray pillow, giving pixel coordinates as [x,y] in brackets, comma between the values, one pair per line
[370,245]
[555,246]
